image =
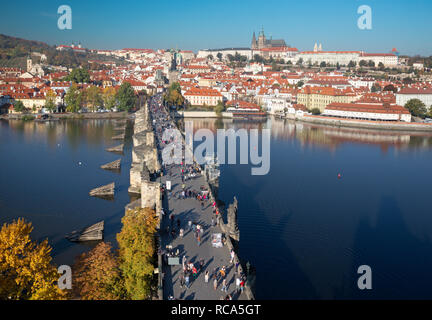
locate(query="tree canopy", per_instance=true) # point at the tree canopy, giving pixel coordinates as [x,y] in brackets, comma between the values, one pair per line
[93,97]
[73,99]
[26,271]
[416,107]
[50,100]
[109,98]
[137,252]
[78,75]
[174,96]
[97,275]
[126,97]
[18,106]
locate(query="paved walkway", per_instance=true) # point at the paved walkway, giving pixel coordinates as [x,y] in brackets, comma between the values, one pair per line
[186,210]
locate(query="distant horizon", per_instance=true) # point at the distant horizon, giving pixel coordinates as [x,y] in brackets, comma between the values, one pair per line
[186,49]
[201,25]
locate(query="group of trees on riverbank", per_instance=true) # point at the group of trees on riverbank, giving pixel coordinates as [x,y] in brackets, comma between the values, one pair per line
[82,96]
[123,99]
[127,273]
[418,109]
[26,271]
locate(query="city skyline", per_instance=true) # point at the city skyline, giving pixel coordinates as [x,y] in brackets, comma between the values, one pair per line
[197,25]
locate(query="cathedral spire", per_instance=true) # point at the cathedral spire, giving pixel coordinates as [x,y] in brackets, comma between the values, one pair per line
[254,42]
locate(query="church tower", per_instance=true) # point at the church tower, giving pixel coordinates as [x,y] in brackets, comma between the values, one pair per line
[254,45]
[29,63]
[261,40]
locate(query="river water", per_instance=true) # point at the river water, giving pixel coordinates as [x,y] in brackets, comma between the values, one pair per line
[304,230]
[42,180]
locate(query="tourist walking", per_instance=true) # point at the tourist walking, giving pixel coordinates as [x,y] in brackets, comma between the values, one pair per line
[187,281]
[222,272]
[238,284]
[215,284]
[181,233]
[232,256]
[206,277]
[201,264]
[224,285]
[182,281]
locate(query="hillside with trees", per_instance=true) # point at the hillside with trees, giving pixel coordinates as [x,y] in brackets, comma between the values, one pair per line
[14,52]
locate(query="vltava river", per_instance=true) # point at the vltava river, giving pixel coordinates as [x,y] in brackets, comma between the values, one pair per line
[305,230]
[42,180]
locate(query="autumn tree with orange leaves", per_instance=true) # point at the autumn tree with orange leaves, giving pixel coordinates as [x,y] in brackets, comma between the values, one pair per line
[26,272]
[97,275]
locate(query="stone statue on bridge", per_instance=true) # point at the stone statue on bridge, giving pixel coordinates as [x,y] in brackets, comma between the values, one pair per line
[233,229]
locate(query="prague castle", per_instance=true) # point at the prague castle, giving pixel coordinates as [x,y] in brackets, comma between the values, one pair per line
[263,42]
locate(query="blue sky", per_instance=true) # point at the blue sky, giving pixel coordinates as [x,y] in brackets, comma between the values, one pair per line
[192,24]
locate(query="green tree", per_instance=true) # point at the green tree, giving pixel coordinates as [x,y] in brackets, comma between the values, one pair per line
[174,96]
[219,56]
[78,75]
[416,107]
[375,88]
[323,64]
[363,63]
[316,111]
[219,108]
[73,99]
[351,64]
[137,252]
[390,87]
[18,106]
[300,84]
[126,97]
[257,58]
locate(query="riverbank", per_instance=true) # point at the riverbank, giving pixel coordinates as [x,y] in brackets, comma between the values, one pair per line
[202,114]
[65,116]
[366,124]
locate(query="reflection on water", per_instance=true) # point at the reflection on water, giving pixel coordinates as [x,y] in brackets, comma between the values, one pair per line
[46,172]
[307,231]
[324,136]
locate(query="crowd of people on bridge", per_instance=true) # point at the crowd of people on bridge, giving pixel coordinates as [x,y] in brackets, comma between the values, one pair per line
[190,270]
